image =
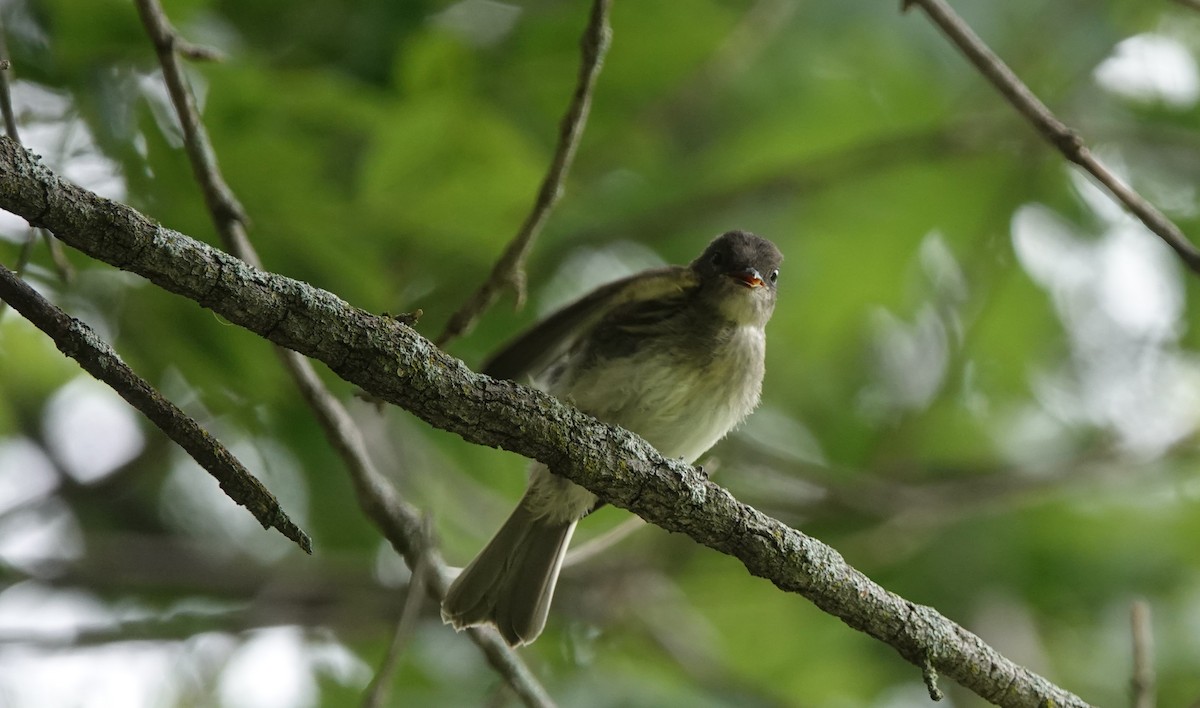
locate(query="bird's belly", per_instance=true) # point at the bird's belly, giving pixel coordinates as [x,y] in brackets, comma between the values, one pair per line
[682,408]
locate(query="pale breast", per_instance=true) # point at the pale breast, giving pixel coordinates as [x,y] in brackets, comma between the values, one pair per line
[680,404]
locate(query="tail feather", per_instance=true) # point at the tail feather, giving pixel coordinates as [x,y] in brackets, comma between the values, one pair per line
[511,581]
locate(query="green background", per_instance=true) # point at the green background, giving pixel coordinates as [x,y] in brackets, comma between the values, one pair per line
[981,387]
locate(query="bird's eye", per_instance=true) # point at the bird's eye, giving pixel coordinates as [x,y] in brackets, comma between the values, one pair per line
[774,276]
[717,259]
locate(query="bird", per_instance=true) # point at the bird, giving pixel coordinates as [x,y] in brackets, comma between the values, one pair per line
[674,354]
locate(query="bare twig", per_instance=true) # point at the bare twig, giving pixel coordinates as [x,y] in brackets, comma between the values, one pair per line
[218,196]
[1057,133]
[10,118]
[1142,683]
[509,271]
[603,542]
[399,522]
[197,52]
[377,692]
[79,342]
[62,266]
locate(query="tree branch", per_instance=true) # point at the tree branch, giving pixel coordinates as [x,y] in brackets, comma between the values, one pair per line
[393,362]
[379,689]
[78,341]
[509,271]
[1142,683]
[399,522]
[1057,133]
[6,109]
[219,198]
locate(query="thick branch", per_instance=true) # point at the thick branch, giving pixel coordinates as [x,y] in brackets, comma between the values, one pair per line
[396,364]
[1057,133]
[78,341]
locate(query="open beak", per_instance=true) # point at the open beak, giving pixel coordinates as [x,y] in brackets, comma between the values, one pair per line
[749,277]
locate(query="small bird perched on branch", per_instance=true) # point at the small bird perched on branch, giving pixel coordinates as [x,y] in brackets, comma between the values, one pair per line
[673,354]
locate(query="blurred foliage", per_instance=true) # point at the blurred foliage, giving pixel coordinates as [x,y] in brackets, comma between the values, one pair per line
[982,386]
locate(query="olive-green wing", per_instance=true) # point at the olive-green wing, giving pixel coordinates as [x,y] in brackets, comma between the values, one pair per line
[532,352]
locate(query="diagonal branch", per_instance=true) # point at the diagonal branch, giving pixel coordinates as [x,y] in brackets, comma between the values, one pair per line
[400,522]
[394,363]
[509,271]
[219,198]
[1057,133]
[78,341]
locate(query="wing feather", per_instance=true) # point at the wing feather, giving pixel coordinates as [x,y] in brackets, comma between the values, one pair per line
[539,347]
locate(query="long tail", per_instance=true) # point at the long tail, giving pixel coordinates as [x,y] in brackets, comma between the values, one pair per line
[511,581]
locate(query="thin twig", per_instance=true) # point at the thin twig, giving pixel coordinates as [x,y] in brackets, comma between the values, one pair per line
[78,341]
[62,266]
[509,271]
[197,52]
[218,196]
[1142,683]
[1057,133]
[400,522]
[377,692]
[603,542]
[6,108]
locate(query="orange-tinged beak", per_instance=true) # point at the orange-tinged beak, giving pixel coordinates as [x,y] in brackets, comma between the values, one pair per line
[749,277]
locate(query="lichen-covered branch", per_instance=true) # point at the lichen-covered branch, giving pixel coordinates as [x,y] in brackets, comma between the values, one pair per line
[396,364]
